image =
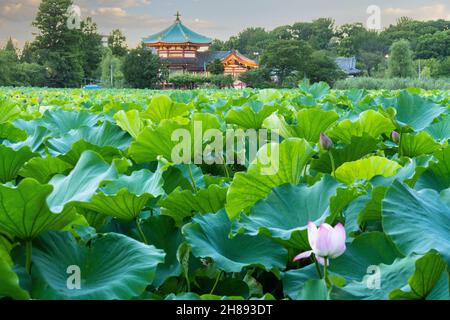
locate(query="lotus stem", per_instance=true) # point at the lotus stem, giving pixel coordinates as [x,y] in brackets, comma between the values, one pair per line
[333,165]
[192,178]
[318,268]
[29,253]
[141,232]
[215,283]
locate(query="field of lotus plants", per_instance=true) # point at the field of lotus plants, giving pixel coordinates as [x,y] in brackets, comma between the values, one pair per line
[305,194]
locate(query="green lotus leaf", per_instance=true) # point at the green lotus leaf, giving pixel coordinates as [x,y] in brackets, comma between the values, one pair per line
[416,111]
[72,156]
[370,123]
[125,197]
[130,122]
[106,135]
[414,145]
[437,175]
[288,209]
[430,280]
[34,140]
[315,289]
[368,249]
[208,235]
[181,204]
[440,131]
[162,108]
[250,117]
[358,148]
[24,212]
[268,95]
[417,221]
[12,161]
[8,111]
[113,267]
[366,169]
[318,90]
[275,165]
[82,182]
[11,133]
[277,122]
[9,281]
[161,232]
[42,169]
[391,278]
[294,281]
[60,121]
[310,123]
[159,140]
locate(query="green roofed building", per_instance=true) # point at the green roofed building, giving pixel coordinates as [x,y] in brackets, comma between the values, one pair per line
[184,50]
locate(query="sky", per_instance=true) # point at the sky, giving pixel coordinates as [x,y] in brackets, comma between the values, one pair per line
[214,18]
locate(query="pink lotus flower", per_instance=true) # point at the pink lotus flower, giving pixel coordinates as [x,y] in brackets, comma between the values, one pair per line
[326,242]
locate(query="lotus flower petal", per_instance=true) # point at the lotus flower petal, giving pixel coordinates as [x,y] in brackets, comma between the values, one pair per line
[324,245]
[338,241]
[303,255]
[312,235]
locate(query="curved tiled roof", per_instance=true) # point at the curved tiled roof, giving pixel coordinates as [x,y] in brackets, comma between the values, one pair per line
[177,33]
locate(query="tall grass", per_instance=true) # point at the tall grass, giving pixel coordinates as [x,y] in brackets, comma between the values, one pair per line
[392,84]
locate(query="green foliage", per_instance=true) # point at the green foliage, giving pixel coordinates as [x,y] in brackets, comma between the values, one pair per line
[400,60]
[216,67]
[142,69]
[117,43]
[391,84]
[89,191]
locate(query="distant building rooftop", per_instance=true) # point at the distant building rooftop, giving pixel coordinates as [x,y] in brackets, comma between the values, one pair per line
[177,33]
[348,65]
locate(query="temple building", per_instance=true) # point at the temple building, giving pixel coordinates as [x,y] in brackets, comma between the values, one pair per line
[184,50]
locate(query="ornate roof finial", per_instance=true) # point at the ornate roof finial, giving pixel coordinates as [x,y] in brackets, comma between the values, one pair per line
[178,15]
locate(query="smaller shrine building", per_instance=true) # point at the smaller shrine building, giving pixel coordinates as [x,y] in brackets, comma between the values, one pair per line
[183,50]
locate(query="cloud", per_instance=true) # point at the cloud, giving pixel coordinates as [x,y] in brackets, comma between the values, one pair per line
[433,12]
[111,12]
[19,10]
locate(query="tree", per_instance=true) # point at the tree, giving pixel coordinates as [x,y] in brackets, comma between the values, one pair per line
[117,43]
[370,60]
[317,33]
[257,78]
[10,47]
[401,63]
[251,41]
[58,48]
[142,69]
[91,48]
[436,45]
[7,68]
[28,53]
[216,67]
[111,70]
[287,57]
[322,67]
[443,69]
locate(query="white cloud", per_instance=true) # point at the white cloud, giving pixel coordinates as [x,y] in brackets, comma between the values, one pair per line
[433,12]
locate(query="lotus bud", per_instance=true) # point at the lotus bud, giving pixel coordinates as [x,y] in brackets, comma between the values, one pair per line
[395,136]
[325,241]
[325,142]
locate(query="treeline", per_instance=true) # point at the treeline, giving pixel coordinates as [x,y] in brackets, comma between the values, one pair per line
[420,47]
